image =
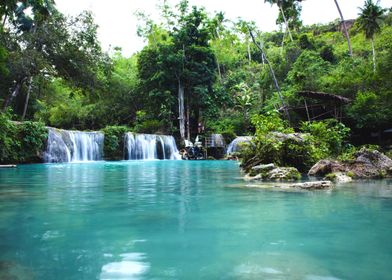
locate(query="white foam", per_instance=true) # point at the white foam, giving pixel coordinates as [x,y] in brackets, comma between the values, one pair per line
[123,270]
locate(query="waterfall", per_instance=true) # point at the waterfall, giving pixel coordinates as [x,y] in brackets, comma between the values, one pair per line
[150,146]
[217,141]
[234,145]
[73,146]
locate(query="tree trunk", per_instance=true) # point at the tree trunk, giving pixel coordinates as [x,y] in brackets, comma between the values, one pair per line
[5,18]
[374,55]
[188,130]
[181,115]
[219,70]
[273,76]
[249,53]
[14,93]
[27,98]
[344,29]
[286,22]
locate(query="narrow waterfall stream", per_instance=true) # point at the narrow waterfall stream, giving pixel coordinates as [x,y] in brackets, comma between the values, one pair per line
[73,146]
[150,146]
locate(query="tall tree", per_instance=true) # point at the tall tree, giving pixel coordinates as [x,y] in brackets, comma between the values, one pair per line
[289,13]
[369,21]
[343,22]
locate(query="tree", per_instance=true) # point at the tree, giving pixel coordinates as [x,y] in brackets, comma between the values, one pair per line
[343,22]
[369,21]
[289,13]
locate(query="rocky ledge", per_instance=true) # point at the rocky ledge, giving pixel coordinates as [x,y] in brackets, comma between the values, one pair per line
[285,186]
[312,185]
[368,164]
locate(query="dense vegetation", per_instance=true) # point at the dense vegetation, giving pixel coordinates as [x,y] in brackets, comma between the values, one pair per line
[197,71]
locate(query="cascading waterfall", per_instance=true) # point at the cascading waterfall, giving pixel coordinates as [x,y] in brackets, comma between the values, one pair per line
[234,146]
[73,146]
[150,146]
[217,141]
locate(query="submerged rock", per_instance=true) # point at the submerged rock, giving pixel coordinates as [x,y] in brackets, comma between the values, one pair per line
[313,185]
[367,164]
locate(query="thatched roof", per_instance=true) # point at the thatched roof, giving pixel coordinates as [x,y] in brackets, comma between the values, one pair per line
[325,96]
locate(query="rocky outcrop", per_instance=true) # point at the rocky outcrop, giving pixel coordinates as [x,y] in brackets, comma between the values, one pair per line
[324,167]
[273,173]
[367,164]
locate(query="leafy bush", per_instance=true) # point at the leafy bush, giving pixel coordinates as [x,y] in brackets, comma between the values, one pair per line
[8,145]
[328,134]
[232,125]
[114,142]
[276,143]
[32,137]
[21,143]
[144,124]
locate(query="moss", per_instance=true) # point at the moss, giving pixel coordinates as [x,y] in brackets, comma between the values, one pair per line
[350,174]
[330,176]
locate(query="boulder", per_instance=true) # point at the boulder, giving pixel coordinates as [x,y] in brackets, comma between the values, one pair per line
[284,173]
[324,167]
[273,173]
[367,164]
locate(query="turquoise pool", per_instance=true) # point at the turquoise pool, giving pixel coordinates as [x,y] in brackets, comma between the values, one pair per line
[186,220]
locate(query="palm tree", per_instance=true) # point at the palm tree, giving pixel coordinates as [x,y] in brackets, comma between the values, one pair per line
[350,50]
[280,5]
[369,21]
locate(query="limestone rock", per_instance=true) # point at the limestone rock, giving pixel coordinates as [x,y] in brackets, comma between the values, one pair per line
[263,167]
[284,173]
[324,167]
[367,164]
[339,177]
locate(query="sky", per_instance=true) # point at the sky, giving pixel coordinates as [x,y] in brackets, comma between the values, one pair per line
[118,24]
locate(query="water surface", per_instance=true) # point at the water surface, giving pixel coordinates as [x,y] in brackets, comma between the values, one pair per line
[186,220]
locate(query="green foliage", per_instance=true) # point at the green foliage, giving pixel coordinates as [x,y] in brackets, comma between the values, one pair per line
[369,109]
[308,70]
[145,124]
[8,147]
[231,124]
[114,142]
[21,143]
[269,122]
[328,134]
[276,143]
[32,137]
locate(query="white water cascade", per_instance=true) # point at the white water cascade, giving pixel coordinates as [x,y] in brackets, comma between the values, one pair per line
[217,141]
[235,145]
[73,146]
[150,146]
